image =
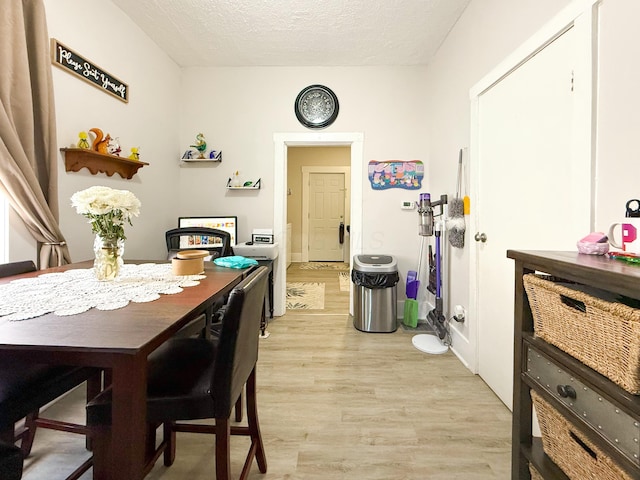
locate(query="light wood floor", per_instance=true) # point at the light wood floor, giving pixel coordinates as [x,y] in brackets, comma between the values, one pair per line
[336,404]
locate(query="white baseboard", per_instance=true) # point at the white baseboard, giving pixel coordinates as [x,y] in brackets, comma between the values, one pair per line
[458,339]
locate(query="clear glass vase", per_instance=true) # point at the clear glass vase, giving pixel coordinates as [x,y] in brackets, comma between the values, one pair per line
[108,257]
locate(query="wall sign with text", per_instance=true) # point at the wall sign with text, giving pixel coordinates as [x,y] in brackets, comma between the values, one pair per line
[70,61]
[396,174]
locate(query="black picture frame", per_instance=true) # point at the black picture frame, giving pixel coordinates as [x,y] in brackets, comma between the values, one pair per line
[227,223]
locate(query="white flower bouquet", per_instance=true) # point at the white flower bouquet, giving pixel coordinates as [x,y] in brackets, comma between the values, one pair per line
[107,210]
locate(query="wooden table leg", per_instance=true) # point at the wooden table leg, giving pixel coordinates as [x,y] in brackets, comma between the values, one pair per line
[128,423]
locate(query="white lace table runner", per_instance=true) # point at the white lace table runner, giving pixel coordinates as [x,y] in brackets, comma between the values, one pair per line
[76,291]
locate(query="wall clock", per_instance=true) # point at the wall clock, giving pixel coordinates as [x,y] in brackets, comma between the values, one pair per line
[316,106]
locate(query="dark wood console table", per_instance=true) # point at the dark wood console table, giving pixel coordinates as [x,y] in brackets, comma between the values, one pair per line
[601,272]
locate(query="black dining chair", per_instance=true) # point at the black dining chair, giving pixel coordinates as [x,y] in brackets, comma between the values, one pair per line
[196,378]
[11,462]
[217,242]
[26,387]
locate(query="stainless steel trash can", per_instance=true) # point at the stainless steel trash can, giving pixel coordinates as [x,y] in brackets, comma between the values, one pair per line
[375,278]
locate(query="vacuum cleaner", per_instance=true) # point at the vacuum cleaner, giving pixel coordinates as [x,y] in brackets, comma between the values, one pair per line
[435,318]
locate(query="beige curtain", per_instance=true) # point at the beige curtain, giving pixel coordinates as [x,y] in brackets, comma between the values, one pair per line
[28,150]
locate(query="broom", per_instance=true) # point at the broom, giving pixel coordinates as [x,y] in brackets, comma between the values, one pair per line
[456,221]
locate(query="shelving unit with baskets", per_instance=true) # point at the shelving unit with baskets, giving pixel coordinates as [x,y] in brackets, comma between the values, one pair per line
[577,336]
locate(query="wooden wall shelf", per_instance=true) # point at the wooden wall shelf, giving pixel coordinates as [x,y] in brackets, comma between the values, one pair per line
[78,158]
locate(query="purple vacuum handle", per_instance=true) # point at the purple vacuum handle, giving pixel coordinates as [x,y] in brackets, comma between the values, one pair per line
[438,261]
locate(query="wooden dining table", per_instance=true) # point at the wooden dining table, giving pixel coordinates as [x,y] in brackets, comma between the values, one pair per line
[119,342]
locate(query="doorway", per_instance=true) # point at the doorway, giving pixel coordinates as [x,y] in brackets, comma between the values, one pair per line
[282,142]
[318,205]
[318,202]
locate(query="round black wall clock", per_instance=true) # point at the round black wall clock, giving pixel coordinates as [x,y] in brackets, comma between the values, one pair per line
[316,106]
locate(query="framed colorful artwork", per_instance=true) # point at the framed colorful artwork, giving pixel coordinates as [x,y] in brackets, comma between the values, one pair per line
[396,174]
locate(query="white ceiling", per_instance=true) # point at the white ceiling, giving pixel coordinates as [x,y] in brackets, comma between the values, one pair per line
[296,32]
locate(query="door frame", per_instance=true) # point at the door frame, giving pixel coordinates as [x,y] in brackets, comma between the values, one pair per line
[582,16]
[282,141]
[306,171]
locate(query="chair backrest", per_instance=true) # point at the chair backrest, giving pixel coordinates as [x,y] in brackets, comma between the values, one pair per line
[237,352]
[16,268]
[218,242]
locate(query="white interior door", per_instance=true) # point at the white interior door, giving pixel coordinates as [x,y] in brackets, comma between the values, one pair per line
[326,213]
[526,190]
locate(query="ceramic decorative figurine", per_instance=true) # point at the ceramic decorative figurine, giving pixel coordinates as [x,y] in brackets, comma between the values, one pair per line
[235,180]
[200,145]
[100,143]
[114,146]
[83,142]
[135,154]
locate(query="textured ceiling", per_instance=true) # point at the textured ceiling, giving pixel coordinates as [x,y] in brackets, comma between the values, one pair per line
[296,32]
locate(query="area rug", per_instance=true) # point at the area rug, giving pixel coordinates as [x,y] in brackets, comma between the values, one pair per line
[345,281]
[305,296]
[323,266]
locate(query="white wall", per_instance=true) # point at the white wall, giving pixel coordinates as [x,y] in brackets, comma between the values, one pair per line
[101,33]
[404,113]
[486,33]
[239,110]
[618,162]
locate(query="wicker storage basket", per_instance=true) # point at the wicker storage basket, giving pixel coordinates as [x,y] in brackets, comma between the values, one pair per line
[534,473]
[570,450]
[604,335]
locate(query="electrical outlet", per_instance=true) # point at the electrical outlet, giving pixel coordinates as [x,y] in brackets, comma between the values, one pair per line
[459,313]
